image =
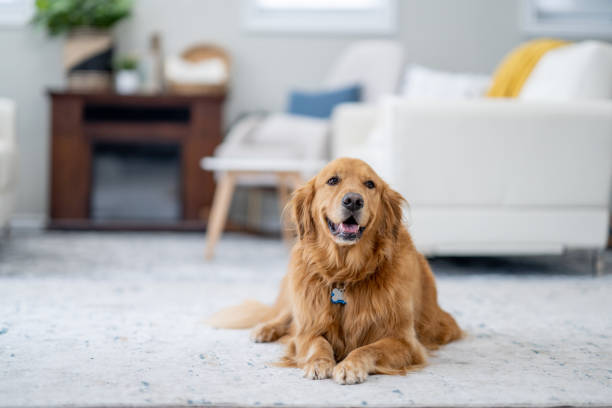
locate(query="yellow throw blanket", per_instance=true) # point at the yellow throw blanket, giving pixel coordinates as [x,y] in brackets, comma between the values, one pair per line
[515,68]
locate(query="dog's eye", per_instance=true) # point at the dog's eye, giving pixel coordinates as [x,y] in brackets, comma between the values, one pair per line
[333,181]
[369,184]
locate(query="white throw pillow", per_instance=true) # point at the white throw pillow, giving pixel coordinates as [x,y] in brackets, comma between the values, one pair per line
[304,135]
[287,128]
[576,71]
[278,135]
[422,82]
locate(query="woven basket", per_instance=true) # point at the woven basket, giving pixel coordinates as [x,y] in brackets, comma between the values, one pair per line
[199,53]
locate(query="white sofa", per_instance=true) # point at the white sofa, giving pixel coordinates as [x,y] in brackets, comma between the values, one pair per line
[8,158]
[490,177]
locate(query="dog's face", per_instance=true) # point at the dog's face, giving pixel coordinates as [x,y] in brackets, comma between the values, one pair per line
[346,197]
[346,200]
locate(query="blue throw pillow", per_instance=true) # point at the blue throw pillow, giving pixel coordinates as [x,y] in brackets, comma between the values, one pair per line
[321,104]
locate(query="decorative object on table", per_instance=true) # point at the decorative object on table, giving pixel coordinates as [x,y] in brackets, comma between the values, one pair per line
[201,69]
[152,67]
[88,50]
[127,77]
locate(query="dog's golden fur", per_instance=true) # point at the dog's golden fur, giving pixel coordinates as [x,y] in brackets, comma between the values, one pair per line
[391,316]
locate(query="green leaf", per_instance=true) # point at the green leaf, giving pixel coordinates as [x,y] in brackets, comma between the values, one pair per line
[61,16]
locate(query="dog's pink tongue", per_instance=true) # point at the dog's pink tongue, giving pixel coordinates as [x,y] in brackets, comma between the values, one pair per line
[350,228]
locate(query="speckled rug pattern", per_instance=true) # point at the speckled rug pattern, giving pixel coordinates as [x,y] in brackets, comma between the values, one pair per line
[109,319]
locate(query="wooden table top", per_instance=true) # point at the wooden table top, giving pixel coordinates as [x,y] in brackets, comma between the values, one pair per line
[110,95]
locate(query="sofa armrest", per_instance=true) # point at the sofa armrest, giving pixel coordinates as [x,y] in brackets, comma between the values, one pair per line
[500,152]
[351,126]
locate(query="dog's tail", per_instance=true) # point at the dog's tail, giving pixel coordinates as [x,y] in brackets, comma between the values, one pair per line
[242,316]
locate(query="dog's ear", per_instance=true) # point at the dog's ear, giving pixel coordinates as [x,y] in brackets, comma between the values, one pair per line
[392,214]
[301,209]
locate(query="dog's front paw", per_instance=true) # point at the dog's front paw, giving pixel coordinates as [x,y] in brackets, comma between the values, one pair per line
[264,333]
[319,369]
[350,372]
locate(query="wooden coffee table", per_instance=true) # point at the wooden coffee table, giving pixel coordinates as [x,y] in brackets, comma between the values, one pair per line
[288,172]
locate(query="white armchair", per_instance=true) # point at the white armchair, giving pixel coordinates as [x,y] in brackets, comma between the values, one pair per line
[374,64]
[486,177]
[280,137]
[8,159]
[277,136]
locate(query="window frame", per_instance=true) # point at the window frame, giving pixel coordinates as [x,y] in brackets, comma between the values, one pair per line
[381,20]
[534,25]
[15,13]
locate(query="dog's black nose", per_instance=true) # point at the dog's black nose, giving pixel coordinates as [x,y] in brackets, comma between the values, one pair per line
[352,201]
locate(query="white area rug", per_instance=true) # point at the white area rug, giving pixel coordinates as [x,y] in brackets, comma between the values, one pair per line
[117,319]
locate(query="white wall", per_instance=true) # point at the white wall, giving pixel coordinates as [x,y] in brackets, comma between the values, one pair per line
[29,64]
[466,35]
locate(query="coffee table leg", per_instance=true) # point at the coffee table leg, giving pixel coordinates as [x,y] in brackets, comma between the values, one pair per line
[218,213]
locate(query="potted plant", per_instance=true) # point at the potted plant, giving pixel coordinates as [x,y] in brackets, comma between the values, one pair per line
[127,78]
[88,51]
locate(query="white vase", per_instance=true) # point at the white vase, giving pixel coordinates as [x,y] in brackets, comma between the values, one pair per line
[127,81]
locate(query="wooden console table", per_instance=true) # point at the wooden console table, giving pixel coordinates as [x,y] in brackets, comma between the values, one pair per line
[79,120]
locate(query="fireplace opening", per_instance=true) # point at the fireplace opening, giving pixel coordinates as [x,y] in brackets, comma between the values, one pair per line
[136,182]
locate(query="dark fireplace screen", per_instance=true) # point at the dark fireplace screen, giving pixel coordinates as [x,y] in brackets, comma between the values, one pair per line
[136,182]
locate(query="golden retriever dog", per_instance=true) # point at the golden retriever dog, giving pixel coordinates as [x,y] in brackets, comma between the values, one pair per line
[358,298]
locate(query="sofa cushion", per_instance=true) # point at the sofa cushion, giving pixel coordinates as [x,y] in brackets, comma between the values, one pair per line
[321,104]
[280,135]
[577,71]
[422,82]
[283,128]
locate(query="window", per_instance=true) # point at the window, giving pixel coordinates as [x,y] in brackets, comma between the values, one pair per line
[569,18]
[321,16]
[15,12]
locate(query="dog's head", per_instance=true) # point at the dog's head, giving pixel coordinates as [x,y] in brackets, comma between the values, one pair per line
[346,201]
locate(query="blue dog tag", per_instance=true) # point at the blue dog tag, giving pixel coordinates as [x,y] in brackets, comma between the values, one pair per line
[337,296]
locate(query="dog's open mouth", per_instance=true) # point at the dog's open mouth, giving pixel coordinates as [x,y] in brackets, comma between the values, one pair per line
[348,230]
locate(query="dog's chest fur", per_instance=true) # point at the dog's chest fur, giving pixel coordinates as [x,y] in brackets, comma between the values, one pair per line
[372,311]
[364,319]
